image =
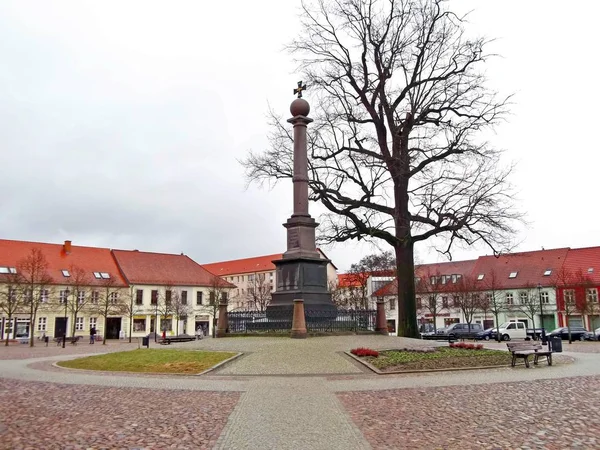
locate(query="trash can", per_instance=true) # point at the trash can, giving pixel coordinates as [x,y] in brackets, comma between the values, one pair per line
[556,342]
[146,341]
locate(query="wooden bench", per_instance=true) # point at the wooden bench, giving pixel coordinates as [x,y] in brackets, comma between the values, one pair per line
[524,350]
[169,340]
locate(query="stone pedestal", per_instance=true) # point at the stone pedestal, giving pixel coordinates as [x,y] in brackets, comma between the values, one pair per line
[223,323]
[381,321]
[299,321]
[301,273]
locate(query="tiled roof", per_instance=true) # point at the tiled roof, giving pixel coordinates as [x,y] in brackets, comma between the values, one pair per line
[346,280]
[163,269]
[584,259]
[247,265]
[529,268]
[90,259]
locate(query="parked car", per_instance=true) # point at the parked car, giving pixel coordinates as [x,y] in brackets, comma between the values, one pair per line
[597,333]
[512,330]
[577,333]
[487,334]
[460,331]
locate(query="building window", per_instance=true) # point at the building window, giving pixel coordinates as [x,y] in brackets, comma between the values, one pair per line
[79,324]
[65,273]
[432,302]
[419,304]
[113,297]
[105,275]
[139,325]
[199,298]
[480,276]
[154,297]
[523,297]
[592,295]
[93,322]
[456,301]
[513,275]
[63,296]
[545,297]
[168,293]
[4,270]
[139,297]
[509,298]
[97,275]
[547,272]
[44,295]
[444,301]
[250,278]
[184,297]
[81,296]
[432,280]
[42,322]
[569,296]
[95,297]
[166,324]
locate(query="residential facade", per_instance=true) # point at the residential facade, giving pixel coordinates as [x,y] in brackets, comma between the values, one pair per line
[255,279]
[117,292]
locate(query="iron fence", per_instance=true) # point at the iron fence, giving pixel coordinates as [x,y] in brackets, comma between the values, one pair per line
[316,321]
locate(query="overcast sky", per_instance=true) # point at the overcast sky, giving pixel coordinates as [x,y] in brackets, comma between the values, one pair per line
[121,122]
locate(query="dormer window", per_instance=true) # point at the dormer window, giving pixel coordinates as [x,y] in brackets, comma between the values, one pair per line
[548,272]
[480,276]
[432,280]
[12,269]
[4,270]
[105,275]
[97,275]
[65,273]
[513,275]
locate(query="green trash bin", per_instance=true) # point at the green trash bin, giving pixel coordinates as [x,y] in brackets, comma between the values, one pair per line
[556,343]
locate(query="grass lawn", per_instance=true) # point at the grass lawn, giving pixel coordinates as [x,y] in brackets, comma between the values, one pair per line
[441,358]
[150,360]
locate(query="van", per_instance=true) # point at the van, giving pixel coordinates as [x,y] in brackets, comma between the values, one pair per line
[512,330]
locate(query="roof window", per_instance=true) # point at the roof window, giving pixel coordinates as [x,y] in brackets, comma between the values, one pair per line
[513,275]
[4,270]
[97,275]
[548,272]
[480,276]
[12,269]
[105,275]
[590,270]
[65,273]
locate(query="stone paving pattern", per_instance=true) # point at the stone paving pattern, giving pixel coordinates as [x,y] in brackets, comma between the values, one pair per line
[552,414]
[59,416]
[297,394]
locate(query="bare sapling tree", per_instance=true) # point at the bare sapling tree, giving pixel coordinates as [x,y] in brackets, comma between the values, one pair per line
[11,302]
[496,299]
[35,282]
[180,308]
[131,306]
[362,272]
[429,288]
[79,294]
[397,151]
[338,296]
[259,292]
[106,301]
[573,286]
[528,304]
[467,297]
[165,307]
[217,292]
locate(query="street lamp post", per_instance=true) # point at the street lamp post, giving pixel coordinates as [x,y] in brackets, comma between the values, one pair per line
[155,319]
[543,334]
[66,318]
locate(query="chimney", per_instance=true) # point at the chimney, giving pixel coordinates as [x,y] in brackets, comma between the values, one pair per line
[67,247]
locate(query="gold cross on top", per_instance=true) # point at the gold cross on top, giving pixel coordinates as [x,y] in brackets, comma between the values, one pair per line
[299,89]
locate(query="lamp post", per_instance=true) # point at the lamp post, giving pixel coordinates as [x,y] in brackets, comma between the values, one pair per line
[543,333]
[155,319]
[66,318]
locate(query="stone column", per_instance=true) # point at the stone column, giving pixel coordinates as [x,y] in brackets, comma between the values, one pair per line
[223,323]
[299,321]
[381,321]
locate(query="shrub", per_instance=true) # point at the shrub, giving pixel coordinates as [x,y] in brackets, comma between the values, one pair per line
[466,346]
[362,351]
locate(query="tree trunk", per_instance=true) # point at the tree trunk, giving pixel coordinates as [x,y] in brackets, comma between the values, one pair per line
[131,328]
[405,275]
[32,318]
[12,328]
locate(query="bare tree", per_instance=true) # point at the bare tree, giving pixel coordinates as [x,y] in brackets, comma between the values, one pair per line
[131,307]
[429,288]
[467,297]
[106,302]
[338,296]
[529,305]
[360,273]
[165,306]
[217,291]
[495,298]
[78,295]
[180,307]
[34,281]
[397,152]
[259,292]
[11,300]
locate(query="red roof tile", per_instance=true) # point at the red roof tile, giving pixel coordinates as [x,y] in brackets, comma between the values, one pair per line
[163,269]
[583,259]
[90,259]
[529,266]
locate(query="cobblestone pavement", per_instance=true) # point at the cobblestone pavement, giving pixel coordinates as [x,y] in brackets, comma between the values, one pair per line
[545,414]
[306,394]
[23,351]
[57,416]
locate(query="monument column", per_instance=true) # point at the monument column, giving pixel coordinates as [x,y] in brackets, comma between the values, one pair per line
[301,273]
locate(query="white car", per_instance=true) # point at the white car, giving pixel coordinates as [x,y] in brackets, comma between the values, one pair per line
[512,330]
